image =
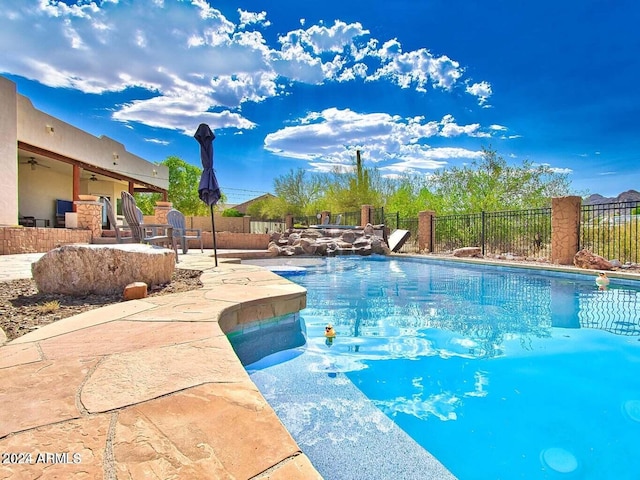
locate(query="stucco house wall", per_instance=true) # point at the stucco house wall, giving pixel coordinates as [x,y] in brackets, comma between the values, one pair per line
[27,191]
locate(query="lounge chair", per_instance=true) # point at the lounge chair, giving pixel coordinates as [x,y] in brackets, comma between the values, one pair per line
[111,215]
[146,232]
[181,232]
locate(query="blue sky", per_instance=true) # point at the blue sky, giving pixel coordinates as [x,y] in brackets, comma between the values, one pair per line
[414,84]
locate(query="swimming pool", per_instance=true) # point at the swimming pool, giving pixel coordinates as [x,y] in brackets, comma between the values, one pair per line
[500,373]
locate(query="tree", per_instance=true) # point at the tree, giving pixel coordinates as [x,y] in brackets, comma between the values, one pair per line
[348,189]
[492,185]
[297,193]
[184,179]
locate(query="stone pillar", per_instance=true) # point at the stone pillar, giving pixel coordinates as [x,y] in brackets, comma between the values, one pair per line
[288,221]
[90,216]
[365,215]
[324,214]
[425,233]
[565,229]
[160,211]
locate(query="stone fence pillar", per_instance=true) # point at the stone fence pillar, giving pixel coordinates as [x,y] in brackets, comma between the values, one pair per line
[288,222]
[90,216]
[425,232]
[365,215]
[160,211]
[324,214]
[565,229]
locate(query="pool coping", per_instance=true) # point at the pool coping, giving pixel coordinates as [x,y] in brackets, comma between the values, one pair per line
[542,266]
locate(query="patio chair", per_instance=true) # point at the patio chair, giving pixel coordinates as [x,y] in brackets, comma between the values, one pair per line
[339,219]
[140,231]
[181,232]
[111,215]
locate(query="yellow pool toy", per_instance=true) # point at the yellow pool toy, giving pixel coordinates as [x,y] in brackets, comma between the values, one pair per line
[329,332]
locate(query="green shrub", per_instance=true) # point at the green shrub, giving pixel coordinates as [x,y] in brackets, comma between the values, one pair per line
[232,212]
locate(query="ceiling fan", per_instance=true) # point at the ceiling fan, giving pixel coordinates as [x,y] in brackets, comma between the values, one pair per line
[93,178]
[34,163]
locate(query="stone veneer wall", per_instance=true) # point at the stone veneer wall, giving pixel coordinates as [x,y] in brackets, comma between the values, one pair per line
[15,240]
[161,212]
[565,229]
[90,216]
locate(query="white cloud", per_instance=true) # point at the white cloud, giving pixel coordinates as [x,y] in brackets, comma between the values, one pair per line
[156,141]
[482,90]
[555,169]
[416,69]
[200,63]
[396,144]
[247,18]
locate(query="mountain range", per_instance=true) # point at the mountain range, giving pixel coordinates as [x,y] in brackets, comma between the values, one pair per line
[597,199]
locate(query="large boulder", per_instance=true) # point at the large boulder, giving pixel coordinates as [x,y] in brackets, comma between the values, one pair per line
[591,261]
[468,252]
[102,269]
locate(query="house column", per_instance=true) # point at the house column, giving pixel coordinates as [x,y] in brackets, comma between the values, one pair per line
[76,185]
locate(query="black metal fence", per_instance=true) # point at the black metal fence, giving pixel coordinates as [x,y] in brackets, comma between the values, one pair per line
[612,230]
[347,218]
[525,233]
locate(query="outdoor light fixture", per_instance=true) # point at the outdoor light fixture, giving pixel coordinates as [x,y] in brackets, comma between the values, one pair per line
[116,157]
[155,172]
[49,129]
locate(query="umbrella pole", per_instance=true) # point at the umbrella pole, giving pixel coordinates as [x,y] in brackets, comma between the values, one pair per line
[213,232]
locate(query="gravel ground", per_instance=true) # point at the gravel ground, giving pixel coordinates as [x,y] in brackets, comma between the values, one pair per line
[23,309]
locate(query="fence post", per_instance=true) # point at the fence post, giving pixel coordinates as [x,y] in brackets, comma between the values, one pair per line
[288,221]
[365,215]
[425,231]
[565,229]
[482,233]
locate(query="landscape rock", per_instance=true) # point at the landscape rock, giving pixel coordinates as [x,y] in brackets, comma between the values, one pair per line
[468,252]
[135,291]
[591,261]
[330,241]
[102,269]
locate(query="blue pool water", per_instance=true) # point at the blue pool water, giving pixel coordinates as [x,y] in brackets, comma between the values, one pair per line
[500,373]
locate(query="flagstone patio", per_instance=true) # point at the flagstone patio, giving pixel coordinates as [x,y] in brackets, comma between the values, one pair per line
[149,388]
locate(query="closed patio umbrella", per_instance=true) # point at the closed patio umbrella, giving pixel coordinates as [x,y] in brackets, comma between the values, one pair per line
[208,189]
